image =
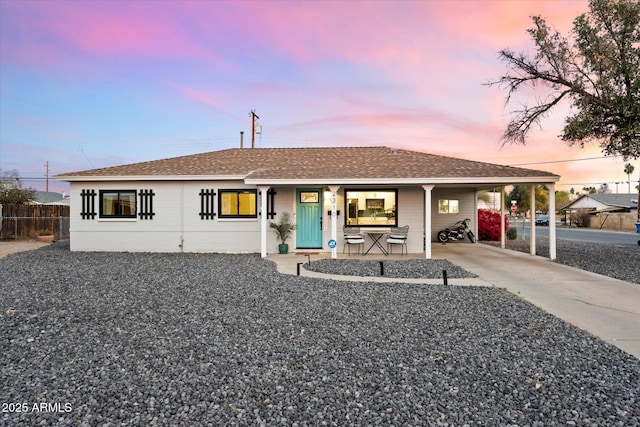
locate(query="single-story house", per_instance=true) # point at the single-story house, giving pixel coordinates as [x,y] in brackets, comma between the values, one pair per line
[222,201]
[596,203]
[51,198]
[616,212]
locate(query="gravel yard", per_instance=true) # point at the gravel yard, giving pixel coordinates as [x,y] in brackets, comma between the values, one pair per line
[412,268]
[202,339]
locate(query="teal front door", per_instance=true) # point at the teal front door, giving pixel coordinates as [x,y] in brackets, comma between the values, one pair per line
[309,218]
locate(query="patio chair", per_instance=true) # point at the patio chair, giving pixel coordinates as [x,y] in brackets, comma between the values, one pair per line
[398,236]
[352,236]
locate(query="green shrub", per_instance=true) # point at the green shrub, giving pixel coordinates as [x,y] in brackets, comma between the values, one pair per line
[512,234]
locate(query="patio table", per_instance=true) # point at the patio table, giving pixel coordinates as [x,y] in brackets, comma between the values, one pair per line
[375,234]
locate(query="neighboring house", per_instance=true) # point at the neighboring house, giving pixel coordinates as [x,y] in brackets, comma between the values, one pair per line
[596,203]
[604,211]
[51,198]
[221,201]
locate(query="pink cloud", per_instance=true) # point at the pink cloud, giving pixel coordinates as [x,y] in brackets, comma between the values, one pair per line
[502,23]
[398,35]
[217,102]
[58,31]
[199,96]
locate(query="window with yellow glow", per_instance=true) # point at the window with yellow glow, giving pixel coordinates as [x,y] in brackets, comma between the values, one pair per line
[238,204]
[371,207]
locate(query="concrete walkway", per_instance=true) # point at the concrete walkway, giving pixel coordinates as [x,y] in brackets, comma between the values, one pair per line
[605,307]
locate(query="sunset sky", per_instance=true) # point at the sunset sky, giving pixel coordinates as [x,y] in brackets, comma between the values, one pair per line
[93,84]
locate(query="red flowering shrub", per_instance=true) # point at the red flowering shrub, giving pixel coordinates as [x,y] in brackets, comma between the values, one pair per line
[489,225]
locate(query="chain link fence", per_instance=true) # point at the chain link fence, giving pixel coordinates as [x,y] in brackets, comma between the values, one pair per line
[22,228]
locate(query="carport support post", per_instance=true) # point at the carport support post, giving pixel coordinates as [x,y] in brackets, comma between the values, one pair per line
[503,237]
[263,220]
[427,220]
[552,220]
[334,218]
[532,209]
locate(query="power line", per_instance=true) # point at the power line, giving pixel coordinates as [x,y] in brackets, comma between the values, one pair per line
[32,178]
[560,161]
[85,156]
[598,183]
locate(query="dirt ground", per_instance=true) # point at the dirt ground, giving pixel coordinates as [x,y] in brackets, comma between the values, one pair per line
[13,246]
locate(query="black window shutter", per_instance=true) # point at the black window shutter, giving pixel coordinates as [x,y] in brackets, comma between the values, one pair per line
[146,204]
[207,209]
[88,204]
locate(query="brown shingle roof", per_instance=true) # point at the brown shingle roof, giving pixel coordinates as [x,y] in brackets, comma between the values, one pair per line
[334,163]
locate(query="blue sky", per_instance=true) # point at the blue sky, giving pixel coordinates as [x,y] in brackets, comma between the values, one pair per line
[94,84]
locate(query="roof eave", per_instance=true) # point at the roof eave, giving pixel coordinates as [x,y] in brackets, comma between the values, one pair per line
[404,181]
[122,178]
[316,181]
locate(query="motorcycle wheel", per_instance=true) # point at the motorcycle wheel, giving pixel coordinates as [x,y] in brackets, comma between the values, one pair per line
[443,236]
[471,236]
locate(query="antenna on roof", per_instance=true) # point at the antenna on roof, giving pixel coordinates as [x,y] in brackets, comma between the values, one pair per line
[254,124]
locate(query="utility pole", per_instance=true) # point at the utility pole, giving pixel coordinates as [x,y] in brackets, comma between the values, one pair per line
[46,165]
[254,116]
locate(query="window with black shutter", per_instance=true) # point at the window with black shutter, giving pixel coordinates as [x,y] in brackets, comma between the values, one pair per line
[117,203]
[238,204]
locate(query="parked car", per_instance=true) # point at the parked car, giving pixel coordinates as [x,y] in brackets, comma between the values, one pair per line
[542,220]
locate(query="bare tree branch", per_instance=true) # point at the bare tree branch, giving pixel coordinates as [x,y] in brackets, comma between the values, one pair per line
[519,127]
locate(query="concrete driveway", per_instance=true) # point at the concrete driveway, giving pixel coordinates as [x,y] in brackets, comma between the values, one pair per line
[605,307]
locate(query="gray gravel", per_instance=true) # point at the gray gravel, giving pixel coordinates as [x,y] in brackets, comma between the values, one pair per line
[195,339]
[414,268]
[609,260]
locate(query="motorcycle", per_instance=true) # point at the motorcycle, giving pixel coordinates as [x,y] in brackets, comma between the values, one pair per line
[457,232]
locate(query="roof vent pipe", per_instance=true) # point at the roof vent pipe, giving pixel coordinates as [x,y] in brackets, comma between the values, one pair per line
[241,139]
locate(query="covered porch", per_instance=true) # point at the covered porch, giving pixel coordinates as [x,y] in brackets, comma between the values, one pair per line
[418,206]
